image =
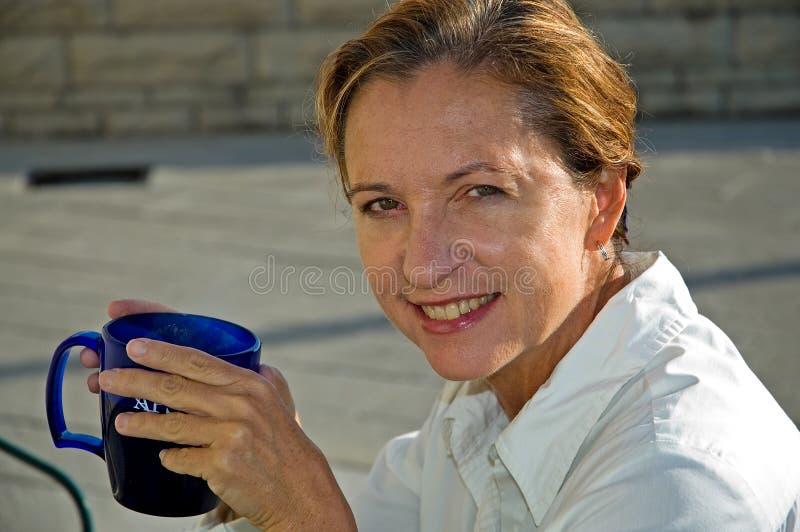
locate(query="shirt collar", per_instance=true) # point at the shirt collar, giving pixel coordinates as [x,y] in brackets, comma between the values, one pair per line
[473,421]
[540,444]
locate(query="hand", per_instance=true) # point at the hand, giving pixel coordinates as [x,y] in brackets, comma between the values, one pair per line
[241,424]
[116,309]
[123,307]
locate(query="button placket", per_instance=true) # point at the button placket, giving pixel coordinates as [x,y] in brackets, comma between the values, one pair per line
[512,508]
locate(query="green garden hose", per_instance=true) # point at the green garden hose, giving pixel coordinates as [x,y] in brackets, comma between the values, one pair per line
[55,474]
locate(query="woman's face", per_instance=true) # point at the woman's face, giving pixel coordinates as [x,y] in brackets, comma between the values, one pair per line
[457,208]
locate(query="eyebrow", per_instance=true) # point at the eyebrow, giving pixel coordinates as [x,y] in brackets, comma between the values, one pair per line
[469,168]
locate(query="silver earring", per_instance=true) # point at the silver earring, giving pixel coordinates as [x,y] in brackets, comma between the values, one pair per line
[603,251]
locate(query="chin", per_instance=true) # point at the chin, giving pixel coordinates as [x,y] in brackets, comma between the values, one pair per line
[455,365]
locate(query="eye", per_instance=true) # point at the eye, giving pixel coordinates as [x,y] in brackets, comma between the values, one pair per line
[380,205]
[484,190]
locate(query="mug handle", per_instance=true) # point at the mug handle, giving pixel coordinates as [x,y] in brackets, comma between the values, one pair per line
[55,410]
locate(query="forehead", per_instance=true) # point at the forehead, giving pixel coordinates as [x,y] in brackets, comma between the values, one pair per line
[439,117]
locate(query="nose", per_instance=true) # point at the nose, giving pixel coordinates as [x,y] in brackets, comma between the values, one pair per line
[432,253]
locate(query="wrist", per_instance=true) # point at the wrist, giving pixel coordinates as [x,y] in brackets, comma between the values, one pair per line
[339,520]
[323,506]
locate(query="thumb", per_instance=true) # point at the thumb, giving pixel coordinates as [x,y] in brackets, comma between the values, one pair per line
[276,378]
[123,307]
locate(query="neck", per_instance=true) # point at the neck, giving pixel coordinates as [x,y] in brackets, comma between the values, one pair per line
[520,379]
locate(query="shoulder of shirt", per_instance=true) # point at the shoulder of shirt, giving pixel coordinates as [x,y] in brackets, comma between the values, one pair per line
[698,394]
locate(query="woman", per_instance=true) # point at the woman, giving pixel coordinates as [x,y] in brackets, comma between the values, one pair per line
[486,147]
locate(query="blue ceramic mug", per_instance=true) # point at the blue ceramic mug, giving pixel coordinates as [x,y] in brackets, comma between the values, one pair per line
[138,480]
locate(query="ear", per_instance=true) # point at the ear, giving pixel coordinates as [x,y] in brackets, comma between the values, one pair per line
[608,202]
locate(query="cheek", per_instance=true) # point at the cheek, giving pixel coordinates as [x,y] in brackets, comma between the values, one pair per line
[555,238]
[546,287]
[538,259]
[369,245]
[380,262]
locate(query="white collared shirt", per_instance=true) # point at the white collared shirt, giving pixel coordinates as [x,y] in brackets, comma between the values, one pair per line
[652,421]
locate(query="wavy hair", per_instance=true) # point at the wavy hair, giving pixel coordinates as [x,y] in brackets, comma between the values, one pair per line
[568,86]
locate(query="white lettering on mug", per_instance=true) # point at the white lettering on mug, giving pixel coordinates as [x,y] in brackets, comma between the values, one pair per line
[148,406]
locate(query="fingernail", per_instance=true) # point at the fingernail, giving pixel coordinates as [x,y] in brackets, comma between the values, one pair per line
[107,377]
[137,348]
[122,421]
[161,454]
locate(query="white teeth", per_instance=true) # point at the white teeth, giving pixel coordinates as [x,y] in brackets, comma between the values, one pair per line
[453,310]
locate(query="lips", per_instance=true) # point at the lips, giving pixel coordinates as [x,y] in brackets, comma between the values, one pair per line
[454,309]
[462,321]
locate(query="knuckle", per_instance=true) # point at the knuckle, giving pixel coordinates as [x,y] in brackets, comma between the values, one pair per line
[173,424]
[261,392]
[177,455]
[249,409]
[171,385]
[164,352]
[221,461]
[280,379]
[198,363]
[240,435]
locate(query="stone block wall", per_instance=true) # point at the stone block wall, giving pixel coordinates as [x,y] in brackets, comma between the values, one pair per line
[705,58]
[89,68]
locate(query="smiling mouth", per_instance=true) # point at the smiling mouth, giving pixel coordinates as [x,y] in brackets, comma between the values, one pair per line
[458,308]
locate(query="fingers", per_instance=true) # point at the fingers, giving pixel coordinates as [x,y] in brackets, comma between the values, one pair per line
[175,427]
[123,307]
[194,461]
[174,391]
[185,361]
[93,383]
[274,376]
[182,429]
[118,308]
[89,358]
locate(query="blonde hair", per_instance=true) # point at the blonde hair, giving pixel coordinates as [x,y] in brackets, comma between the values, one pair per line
[569,88]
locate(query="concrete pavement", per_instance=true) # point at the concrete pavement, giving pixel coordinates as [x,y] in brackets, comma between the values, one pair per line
[201,237]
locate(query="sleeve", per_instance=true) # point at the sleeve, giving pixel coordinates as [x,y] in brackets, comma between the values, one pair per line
[210,523]
[390,499]
[388,502]
[792,522]
[666,487]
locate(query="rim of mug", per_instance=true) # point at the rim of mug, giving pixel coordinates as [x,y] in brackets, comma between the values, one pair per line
[254,346]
